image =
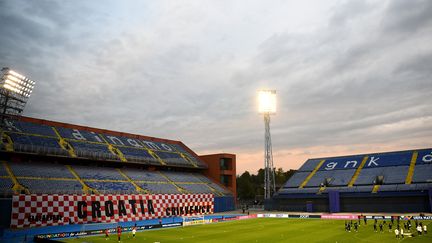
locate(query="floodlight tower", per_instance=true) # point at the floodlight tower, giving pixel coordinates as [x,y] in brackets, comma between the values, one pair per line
[15,89]
[267,107]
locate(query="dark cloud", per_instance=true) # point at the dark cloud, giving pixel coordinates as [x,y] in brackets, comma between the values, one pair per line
[351,74]
[404,17]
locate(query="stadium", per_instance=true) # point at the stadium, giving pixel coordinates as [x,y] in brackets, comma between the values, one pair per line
[142,121]
[67,182]
[63,181]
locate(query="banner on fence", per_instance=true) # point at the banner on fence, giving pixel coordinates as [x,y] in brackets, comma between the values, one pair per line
[47,210]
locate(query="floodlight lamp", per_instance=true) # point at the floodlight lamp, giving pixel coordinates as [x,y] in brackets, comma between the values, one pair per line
[267,101]
[17,83]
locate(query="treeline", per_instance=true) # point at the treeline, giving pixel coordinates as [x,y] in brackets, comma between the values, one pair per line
[251,186]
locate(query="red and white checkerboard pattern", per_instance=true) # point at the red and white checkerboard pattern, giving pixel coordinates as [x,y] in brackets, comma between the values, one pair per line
[24,206]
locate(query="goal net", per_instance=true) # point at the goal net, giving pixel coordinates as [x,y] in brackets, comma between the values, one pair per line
[195,220]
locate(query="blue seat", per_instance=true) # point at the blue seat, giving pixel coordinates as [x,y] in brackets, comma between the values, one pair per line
[112,187]
[389,169]
[173,158]
[30,128]
[140,175]
[296,179]
[136,153]
[3,171]
[79,135]
[99,173]
[196,188]
[163,188]
[38,169]
[181,177]
[93,150]
[310,165]
[6,185]
[422,173]
[51,186]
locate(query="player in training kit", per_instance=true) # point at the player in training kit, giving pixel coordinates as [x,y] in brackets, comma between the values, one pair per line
[133,232]
[119,231]
[106,234]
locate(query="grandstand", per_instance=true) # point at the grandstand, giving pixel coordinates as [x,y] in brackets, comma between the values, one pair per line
[52,158]
[382,182]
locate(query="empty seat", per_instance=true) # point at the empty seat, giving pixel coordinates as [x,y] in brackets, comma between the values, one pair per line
[93,150]
[38,169]
[196,188]
[31,128]
[163,188]
[318,178]
[368,176]
[3,171]
[310,165]
[51,186]
[296,179]
[342,177]
[81,135]
[131,153]
[181,177]
[5,184]
[172,158]
[219,188]
[422,173]
[111,186]
[141,175]
[98,173]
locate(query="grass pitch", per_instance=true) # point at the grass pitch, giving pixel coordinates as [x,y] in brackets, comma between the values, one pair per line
[264,230]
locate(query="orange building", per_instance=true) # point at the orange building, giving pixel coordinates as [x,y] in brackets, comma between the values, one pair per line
[222,169]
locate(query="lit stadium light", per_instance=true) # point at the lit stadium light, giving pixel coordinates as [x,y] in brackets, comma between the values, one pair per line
[17,83]
[15,89]
[267,101]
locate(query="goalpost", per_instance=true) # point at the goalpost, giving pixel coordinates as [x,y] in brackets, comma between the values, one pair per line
[194,220]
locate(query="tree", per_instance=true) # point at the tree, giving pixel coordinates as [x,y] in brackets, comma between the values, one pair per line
[250,186]
[245,187]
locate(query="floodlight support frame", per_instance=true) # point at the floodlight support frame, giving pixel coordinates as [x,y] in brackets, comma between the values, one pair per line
[269,175]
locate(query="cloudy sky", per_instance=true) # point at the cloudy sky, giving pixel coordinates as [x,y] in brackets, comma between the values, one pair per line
[351,76]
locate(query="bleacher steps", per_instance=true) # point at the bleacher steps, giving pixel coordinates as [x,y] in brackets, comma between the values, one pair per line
[357,172]
[85,188]
[17,187]
[211,188]
[311,174]
[7,141]
[156,156]
[117,152]
[137,188]
[218,193]
[180,189]
[188,160]
[64,144]
[375,188]
[411,168]
[321,190]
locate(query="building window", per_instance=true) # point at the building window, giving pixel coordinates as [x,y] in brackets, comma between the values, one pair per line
[225,163]
[225,180]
